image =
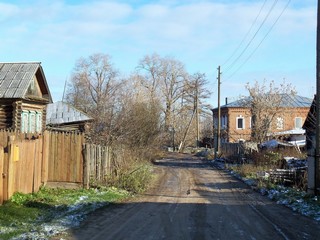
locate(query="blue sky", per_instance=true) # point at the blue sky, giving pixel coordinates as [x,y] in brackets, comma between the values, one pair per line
[201,34]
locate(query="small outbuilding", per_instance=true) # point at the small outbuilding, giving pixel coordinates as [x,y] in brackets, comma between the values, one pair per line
[64,117]
[24,94]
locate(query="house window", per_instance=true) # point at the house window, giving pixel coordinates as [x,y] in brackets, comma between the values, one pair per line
[31,121]
[298,122]
[240,122]
[215,122]
[280,123]
[39,122]
[224,122]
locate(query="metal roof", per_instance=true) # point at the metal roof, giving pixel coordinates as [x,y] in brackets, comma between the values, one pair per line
[15,78]
[62,113]
[288,100]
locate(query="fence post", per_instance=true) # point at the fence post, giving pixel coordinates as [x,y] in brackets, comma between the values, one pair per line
[86,167]
[45,157]
[10,176]
[1,176]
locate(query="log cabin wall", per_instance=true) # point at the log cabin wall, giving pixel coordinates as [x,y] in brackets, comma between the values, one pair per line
[6,114]
[11,113]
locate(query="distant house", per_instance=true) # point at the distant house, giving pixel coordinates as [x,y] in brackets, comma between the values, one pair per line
[64,117]
[24,94]
[236,119]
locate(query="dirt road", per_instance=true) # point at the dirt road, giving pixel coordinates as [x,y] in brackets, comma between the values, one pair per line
[192,200]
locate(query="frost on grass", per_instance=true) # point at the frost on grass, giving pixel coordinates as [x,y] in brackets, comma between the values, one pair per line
[298,201]
[67,218]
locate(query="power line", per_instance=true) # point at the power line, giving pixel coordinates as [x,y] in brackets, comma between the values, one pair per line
[247,59]
[253,37]
[246,35]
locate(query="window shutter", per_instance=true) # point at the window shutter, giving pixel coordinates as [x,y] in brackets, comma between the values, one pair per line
[24,121]
[38,122]
[32,121]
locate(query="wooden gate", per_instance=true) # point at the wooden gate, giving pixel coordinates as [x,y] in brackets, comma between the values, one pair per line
[63,159]
[20,165]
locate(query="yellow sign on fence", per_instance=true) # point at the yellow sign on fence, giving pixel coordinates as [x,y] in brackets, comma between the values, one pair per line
[15,152]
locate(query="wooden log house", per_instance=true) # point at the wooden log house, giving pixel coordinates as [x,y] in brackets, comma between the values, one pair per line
[24,94]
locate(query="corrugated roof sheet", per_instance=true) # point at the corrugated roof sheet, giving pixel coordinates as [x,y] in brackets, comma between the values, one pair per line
[288,100]
[15,78]
[62,113]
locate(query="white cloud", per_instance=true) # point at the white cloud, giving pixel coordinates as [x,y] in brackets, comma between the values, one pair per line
[202,34]
[7,11]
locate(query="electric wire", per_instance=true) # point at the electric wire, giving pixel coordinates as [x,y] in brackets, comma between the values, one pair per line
[246,35]
[252,38]
[272,26]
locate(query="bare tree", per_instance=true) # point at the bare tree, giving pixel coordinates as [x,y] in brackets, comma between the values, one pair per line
[93,89]
[195,92]
[164,78]
[266,102]
[137,121]
[150,67]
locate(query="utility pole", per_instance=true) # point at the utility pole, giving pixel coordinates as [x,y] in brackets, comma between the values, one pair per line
[217,144]
[317,151]
[197,112]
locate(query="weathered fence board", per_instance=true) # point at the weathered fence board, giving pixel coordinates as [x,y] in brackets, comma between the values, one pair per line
[55,159]
[65,159]
[98,163]
[230,150]
[1,176]
[20,163]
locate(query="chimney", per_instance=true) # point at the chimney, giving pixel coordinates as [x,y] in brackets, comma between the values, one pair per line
[226,101]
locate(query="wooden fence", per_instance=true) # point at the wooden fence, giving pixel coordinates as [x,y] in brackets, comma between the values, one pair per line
[97,164]
[230,151]
[20,164]
[56,159]
[63,158]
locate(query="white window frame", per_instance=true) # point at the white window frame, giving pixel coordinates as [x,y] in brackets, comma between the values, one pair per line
[243,122]
[280,123]
[38,122]
[24,121]
[31,121]
[300,122]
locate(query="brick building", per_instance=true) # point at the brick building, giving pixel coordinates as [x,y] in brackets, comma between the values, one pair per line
[236,117]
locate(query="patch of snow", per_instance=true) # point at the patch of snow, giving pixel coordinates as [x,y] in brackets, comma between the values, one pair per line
[294,199]
[64,220]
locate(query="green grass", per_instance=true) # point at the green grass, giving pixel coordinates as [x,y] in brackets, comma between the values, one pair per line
[26,212]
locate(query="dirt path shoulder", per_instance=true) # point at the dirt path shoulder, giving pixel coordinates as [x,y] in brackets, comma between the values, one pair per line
[192,200]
